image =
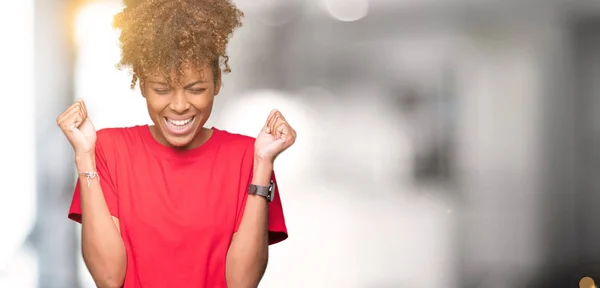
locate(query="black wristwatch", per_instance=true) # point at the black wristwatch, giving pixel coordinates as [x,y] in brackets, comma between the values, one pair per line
[265,191]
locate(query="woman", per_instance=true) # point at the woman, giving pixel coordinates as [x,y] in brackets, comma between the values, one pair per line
[175,204]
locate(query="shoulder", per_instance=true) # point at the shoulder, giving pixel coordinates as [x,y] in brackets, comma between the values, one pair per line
[234,140]
[117,136]
[237,150]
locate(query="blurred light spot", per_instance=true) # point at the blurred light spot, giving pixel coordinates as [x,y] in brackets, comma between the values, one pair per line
[347,10]
[587,282]
[93,23]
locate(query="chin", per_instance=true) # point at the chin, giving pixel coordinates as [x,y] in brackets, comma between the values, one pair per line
[183,135]
[181,141]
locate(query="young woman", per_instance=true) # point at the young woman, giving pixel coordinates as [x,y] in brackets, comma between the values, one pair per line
[176,204]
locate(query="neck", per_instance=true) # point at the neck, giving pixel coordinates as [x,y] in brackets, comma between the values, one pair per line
[199,139]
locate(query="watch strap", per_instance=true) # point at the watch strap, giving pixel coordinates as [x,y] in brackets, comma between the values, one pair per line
[264,191]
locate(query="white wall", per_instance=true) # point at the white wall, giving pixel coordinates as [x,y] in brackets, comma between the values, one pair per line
[17,168]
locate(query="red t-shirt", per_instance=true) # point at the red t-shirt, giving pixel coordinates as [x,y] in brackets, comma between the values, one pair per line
[177,209]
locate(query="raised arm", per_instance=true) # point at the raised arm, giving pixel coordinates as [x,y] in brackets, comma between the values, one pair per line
[102,246]
[249,250]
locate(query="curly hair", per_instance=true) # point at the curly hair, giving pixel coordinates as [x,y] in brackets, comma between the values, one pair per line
[160,36]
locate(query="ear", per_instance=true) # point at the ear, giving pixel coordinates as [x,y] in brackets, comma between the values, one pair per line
[217,81]
[143,88]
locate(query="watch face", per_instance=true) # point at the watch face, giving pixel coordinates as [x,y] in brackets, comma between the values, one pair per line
[271,191]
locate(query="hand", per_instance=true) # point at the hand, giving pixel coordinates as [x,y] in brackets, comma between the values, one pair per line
[275,137]
[78,128]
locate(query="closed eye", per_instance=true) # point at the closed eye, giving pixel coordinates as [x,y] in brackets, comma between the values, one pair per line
[162,91]
[197,90]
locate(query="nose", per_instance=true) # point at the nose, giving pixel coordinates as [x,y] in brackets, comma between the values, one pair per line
[179,102]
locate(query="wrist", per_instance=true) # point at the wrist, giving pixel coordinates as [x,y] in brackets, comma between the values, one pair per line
[261,164]
[85,162]
[265,159]
[263,170]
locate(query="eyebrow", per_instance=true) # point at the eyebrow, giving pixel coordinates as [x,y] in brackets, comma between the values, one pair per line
[192,84]
[186,86]
[157,82]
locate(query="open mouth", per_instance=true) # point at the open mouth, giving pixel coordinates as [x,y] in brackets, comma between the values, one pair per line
[179,126]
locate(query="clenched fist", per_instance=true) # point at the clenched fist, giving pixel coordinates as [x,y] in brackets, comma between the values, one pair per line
[78,128]
[275,137]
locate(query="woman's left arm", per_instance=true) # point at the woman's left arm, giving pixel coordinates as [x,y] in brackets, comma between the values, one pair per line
[249,250]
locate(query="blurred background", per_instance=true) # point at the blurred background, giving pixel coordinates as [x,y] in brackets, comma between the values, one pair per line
[442,143]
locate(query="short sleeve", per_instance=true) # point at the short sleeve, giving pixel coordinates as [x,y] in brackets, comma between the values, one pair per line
[277,228]
[106,182]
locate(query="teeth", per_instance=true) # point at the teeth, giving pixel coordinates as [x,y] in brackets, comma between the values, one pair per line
[180,122]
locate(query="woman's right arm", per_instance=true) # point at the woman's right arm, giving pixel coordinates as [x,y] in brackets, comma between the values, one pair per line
[102,246]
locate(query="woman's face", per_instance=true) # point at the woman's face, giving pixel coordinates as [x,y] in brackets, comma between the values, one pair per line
[179,112]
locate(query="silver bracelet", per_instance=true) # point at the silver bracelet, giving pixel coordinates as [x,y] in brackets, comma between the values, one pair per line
[90,175]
